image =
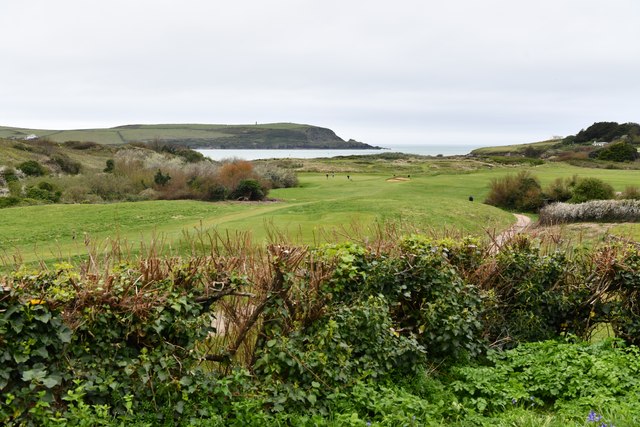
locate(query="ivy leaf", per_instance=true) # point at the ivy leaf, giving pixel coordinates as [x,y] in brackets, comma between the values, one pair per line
[42,352]
[34,374]
[51,381]
[64,335]
[43,317]
[311,398]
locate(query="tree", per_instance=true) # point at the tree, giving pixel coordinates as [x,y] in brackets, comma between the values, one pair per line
[618,152]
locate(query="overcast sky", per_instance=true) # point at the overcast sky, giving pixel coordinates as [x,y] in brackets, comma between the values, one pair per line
[382,72]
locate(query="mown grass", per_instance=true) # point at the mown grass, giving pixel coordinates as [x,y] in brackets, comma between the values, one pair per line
[434,198]
[320,207]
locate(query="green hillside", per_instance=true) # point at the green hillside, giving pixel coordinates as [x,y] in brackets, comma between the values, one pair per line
[603,141]
[263,136]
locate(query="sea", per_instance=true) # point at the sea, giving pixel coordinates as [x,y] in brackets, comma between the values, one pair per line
[250,154]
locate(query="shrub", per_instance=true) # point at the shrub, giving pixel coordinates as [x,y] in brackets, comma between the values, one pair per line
[161,179]
[428,298]
[6,202]
[8,174]
[354,341]
[592,211]
[559,190]
[44,194]
[232,173]
[68,342]
[618,152]
[531,297]
[430,301]
[67,164]
[32,168]
[81,145]
[591,189]
[277,177]
[521,192]
[110,166]
[111,187]
[249,189]
[631,192]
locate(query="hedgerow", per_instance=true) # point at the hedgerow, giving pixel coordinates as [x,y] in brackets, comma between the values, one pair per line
[410,331]
[593,211]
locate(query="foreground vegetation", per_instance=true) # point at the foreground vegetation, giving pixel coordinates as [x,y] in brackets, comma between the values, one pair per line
[401,331]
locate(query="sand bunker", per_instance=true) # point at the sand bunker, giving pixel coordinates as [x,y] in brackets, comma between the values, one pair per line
[398,179]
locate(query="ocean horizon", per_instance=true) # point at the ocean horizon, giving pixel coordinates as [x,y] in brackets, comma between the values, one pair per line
[257,154]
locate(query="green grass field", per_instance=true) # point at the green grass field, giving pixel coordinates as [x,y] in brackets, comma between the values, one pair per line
[305,214]
[435,198]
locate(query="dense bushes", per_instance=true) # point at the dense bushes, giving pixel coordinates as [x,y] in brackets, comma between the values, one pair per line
[523,193]
[340,328]
[593,211]
[140,173]
[591,189]
[32,168]
[618,152]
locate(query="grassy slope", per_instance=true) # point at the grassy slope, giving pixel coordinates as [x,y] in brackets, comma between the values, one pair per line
[190,134]
[12,153]
[516,148]
[436,197]
[321,204]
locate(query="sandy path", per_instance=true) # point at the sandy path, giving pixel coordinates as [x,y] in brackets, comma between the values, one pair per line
[522,222]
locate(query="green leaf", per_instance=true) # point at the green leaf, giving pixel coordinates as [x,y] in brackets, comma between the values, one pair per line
[64,335]
[41,351]
[33,374]
[43,317]
[311,398]
[51,381]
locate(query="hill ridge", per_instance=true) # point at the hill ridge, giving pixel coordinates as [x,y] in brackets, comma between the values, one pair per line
[193,135]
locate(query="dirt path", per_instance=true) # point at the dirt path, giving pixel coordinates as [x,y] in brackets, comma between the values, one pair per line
[522,222]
